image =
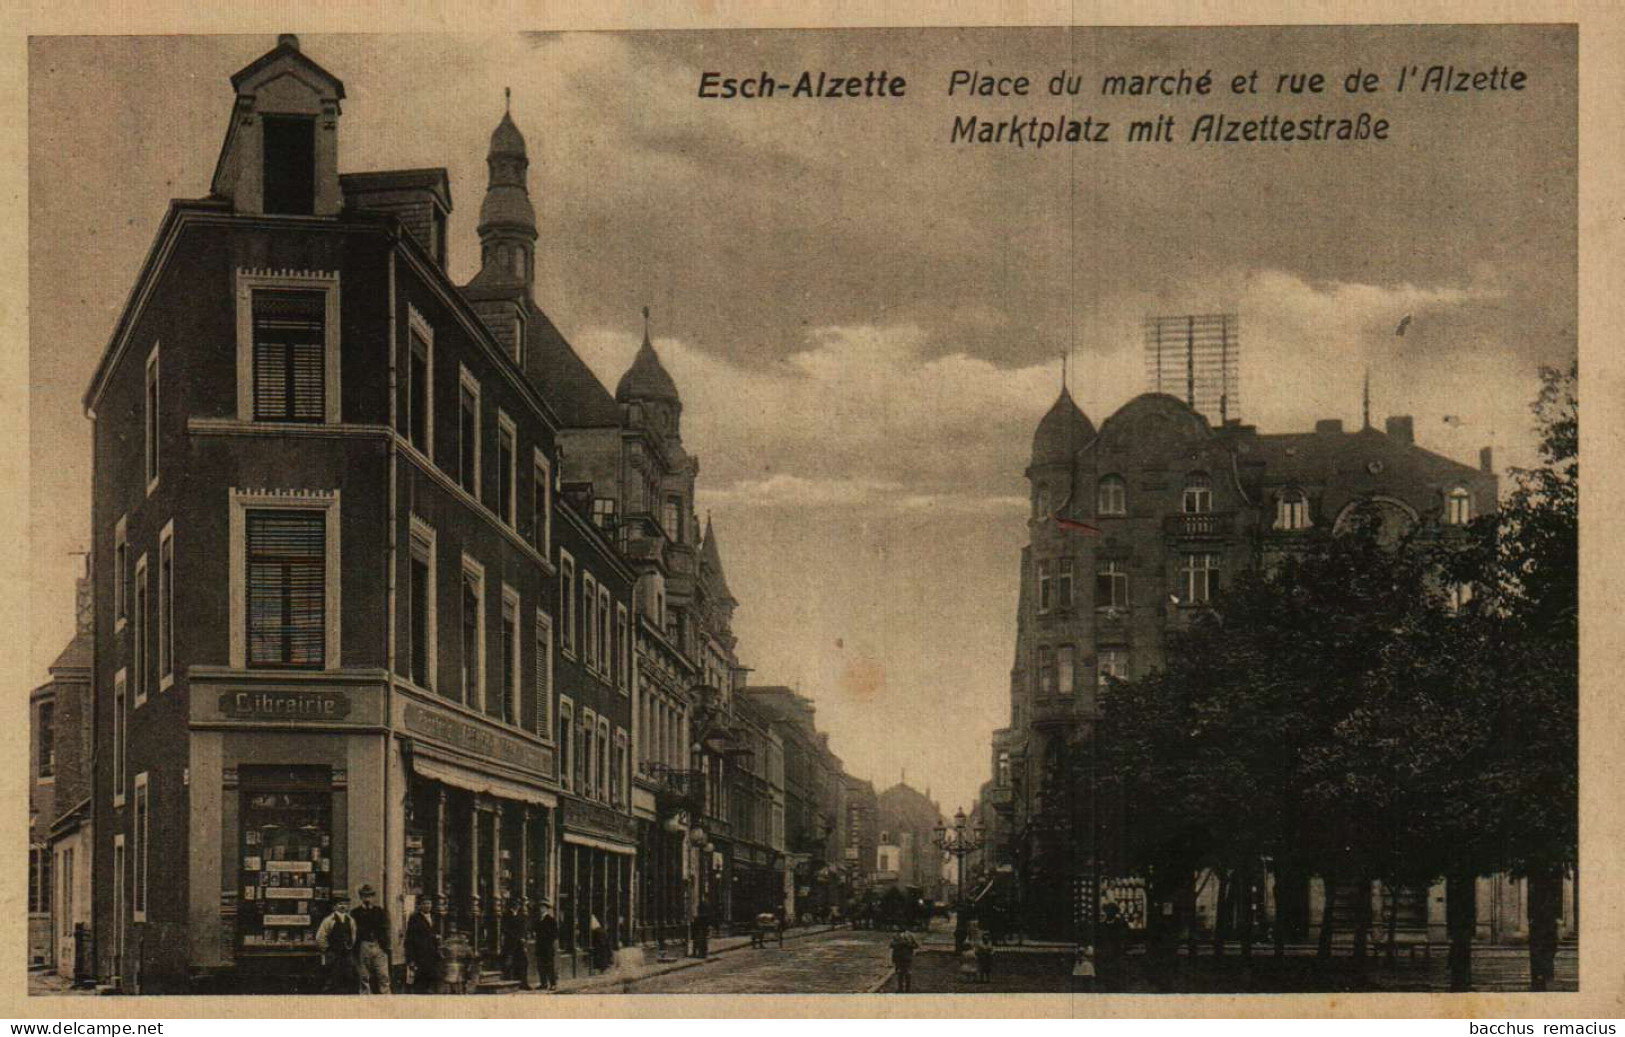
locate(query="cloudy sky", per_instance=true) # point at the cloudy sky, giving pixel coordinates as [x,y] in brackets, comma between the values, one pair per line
[865,320]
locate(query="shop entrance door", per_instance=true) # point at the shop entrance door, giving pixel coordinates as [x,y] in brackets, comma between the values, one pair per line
[485,861]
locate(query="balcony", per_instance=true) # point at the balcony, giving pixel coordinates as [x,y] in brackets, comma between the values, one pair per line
[678,790]
[1204,526]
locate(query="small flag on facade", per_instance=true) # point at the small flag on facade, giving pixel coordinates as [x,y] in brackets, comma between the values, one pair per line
[1074,526]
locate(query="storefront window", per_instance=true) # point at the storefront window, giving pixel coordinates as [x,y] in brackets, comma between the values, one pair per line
[286,862]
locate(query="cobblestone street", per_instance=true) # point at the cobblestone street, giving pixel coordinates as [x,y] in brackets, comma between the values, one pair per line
[840,962]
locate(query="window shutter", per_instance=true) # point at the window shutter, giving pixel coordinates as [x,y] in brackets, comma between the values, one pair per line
[287,592]
[290,344]
[544,673]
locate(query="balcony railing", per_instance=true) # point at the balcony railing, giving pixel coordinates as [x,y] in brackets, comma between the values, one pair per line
[1197,526]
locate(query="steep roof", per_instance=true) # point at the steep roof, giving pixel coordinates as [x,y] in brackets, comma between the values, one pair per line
[646,379]
[1062,432]
[711,558]
[1316,457]
[566,381]
[79,654]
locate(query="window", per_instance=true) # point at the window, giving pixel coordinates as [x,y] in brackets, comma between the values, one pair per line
[1063,583]
[1111,586]
[1046,670]
[541,504]
[604,761]
[671,518]
[473,634]
[1066,665]
[468,434]
[166,606]
[139,633]
[606,643]
[589,620]
[507,470]
[120,720]
[603,512]
[45,739]
[1198,499]
[39,880]
[1291,510]
[420,383]
[567,602]
[118,900]
[287,589]
[138,830]
[289,165]
[1004,768]
[510,655]
[1458,507]
[288,346]
[421,613]
[121,573]
[1111,497]
[1113,664]
[587,783]
[623,650]
[567,743]
[620,780]
[544,674]
[1199,575]
[290,343]
[150,421]
[1044,587]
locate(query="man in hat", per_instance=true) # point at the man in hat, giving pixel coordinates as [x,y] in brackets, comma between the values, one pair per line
[547,945]
[423,950]
[372,942]
[515,959]
[335,938]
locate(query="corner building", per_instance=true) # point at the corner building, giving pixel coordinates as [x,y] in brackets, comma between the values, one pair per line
[333,613]
[1179,505]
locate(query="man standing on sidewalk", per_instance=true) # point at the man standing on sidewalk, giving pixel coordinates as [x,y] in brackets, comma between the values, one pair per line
[903,946]
[547,946]
[372,943]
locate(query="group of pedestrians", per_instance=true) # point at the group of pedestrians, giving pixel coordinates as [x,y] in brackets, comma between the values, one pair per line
[355,947]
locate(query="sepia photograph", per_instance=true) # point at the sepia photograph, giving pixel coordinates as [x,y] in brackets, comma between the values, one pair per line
[900,512]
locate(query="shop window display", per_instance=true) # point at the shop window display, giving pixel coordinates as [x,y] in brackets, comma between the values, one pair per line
[286,880]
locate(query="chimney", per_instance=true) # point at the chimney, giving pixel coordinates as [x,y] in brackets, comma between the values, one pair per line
[1329,426]
[1486,460]
[1401,427]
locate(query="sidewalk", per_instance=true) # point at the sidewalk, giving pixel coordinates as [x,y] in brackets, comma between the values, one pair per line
[618,978]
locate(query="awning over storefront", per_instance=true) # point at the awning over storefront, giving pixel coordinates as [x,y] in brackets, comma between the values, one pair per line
[472,780]
[599,844]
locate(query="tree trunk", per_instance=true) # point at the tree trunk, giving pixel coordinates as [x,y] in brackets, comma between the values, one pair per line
[1545,905]
[1393,922]
[1192,937]
[1362,923]
[1284,877]
[1461,920]
[1244,915]
[1328,914]
[1221,910]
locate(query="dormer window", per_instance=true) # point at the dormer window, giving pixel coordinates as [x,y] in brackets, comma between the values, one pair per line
[289,165]
[1291,510]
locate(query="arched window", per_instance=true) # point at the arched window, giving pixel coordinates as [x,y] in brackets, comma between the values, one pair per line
[1458,507]
[1292,510]
[1112,498]
[1198,494]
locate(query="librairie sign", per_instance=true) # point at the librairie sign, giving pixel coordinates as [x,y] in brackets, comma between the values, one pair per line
[285,705]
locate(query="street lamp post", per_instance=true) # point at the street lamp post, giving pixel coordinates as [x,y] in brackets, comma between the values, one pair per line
[960,841]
